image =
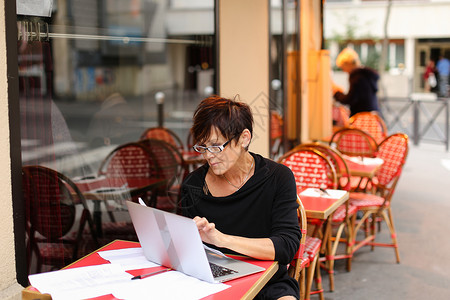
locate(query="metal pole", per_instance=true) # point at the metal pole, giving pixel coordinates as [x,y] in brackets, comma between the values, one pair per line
[416,123]
[447,142]
[159,98]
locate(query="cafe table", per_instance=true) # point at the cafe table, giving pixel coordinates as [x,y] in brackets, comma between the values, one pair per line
[102,189]
[321,204]
[363,166]
[241,288]
[363,169]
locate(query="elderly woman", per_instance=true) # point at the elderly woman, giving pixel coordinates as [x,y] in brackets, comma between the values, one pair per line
[363,84]
[241,202]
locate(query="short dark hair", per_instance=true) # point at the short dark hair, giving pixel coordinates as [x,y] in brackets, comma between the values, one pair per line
[230,117]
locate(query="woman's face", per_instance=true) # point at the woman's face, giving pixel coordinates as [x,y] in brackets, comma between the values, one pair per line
[221,162]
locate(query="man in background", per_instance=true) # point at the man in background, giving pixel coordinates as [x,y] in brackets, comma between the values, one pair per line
[443,67]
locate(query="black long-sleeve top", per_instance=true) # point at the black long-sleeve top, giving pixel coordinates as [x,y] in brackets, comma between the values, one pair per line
[265,207]
[362,93]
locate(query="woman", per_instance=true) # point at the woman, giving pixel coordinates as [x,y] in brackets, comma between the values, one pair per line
[429,77]
[240,201]
[363,84]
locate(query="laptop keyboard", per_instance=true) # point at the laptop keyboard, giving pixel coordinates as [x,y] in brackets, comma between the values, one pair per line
[219,270]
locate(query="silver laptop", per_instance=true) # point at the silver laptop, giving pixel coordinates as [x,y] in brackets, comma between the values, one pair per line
[174,241]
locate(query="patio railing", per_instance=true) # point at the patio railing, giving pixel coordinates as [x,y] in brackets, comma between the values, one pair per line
[421,116]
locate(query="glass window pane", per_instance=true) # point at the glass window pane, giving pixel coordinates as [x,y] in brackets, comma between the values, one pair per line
[96,74]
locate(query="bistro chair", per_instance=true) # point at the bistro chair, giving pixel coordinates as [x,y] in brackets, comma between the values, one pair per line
[165,134]
[341,115]
[54,229]
[393,150]
[358,143]
[127,162]
[304,267]
[354,142]
[171,166]
[372,123]
[345,215]
[312,169]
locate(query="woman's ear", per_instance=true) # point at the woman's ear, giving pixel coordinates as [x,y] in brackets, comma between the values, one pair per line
[245,139]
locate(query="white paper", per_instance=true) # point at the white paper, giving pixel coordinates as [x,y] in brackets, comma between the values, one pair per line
[376,161]
[167,285]
[80,283]
[328,193]
[128,258]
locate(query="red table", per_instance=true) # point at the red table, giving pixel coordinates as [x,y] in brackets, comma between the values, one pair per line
[241,288]
[323,208]
[106,188]
[363,169]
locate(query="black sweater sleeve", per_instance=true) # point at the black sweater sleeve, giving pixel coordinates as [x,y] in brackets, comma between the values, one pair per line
[286,232]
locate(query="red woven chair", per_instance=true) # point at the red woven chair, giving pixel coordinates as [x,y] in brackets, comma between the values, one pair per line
[370,122]
[304,267]
[54,230]
[165,134]
[354,142]
[340,115]
[393,150]
[345,216]
[131,160]
[171,166]
[312,169]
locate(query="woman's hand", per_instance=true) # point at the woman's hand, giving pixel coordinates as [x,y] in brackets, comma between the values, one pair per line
[208,231]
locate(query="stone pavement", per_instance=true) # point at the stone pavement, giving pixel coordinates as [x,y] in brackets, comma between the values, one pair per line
[421,209]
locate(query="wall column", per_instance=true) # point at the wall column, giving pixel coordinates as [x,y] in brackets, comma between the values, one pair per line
[244,61]
[9,288]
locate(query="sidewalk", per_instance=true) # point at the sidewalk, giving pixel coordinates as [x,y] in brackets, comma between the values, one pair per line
[421,209]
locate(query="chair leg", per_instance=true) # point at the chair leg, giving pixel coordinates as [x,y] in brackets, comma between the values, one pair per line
[364,224]
[390,223]
[313,272]
[301,281]
[350,241]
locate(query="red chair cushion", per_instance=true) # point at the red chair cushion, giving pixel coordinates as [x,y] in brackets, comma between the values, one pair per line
[339,214]
[312,246]
[365,200]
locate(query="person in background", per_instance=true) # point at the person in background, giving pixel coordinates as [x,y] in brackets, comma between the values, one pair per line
[443,67]
[242,202]
[363,84]
[429,76]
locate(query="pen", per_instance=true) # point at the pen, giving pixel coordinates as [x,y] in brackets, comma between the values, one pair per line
[324,191]
[150,274]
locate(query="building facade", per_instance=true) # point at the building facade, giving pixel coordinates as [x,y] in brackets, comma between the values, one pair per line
[417,31]
[68,62]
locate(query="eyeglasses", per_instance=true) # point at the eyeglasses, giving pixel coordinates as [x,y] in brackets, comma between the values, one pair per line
[211,149]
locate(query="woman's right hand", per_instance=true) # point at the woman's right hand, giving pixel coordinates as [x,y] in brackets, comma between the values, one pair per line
[208,231]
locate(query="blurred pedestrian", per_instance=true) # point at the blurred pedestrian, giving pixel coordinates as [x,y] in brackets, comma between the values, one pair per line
[363,84]
[443,67]
[429,76]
